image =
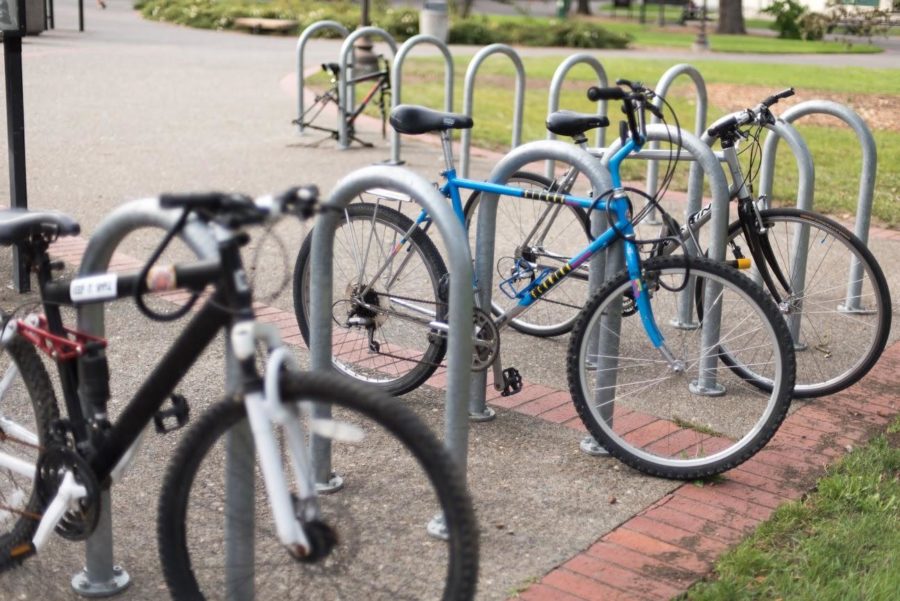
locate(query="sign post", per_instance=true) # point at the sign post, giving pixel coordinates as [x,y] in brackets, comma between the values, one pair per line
[12,24]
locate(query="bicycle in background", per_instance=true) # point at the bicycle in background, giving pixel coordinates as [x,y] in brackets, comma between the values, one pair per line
[645,376]
[379,92]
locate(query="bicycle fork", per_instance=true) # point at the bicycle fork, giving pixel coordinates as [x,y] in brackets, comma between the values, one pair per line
[266,413]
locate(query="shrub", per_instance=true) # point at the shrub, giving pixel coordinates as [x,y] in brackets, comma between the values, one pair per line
[787,15]
[813,25]
[402,23]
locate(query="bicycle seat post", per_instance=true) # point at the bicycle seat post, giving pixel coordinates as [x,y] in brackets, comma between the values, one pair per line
[447,146]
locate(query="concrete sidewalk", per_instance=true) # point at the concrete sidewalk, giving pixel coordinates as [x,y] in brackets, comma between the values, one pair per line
[130,109]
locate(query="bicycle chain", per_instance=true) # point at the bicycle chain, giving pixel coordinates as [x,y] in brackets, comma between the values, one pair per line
[480,316]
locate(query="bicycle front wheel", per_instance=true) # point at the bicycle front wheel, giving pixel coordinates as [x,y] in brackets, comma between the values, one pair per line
[384,303]
[691,417]
[397,478]
[838,307]
[27,408]
[533,236]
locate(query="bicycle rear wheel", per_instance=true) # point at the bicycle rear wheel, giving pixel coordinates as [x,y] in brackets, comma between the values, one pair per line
[839,311]
[382,335]
[533,236]
[702,418]
[397,479]
[27,408]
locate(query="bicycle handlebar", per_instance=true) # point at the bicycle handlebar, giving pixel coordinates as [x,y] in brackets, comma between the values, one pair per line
[240,209]
[735,120]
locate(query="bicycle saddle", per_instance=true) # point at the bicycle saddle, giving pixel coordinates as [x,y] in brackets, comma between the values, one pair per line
[334,68]
[413,119]
[568,123]
[17,225]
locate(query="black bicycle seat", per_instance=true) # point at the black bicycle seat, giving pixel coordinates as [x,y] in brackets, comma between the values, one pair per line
[413,119]
[334,68]
[17,225]
[568,123]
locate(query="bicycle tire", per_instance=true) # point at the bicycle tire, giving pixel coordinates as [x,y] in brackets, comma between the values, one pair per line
[862,333]
[648,415]
[376,474]
[36,414]
[421,350]
[568,236]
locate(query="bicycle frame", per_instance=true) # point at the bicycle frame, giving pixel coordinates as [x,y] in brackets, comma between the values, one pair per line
[229,308]
[618,206]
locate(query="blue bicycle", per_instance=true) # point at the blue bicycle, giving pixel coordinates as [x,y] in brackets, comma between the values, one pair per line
[644,366]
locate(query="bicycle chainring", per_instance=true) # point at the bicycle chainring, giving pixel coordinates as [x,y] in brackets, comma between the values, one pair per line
[486,332]
[77,524]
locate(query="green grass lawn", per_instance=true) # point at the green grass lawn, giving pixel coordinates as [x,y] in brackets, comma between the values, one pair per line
[835,150]
[649,35]
[841,542]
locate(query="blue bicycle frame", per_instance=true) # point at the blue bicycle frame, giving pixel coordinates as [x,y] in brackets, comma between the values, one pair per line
[618,206]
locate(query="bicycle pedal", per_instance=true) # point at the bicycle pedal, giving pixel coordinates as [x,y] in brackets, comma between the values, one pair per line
[179,412]
[512,381]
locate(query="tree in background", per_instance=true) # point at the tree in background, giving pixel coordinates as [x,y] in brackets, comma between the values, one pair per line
[731,17]
[584,7]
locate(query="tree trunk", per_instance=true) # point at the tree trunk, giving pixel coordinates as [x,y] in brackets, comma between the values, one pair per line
[731,17]
[465,7]
[584,7]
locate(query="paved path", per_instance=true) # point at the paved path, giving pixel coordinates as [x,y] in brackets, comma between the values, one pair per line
[129,109]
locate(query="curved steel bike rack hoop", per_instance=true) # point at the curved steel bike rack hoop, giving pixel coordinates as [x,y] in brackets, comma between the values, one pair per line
[662,88]
[345,92]
[469,92]
[556,83]
[100,577]
[301,46]
[487,229]
[705,162]
[459,346]
[868,170]
[397,81]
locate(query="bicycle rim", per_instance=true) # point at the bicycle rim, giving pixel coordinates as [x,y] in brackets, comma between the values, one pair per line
[403,350]
[698,422]
[839,312]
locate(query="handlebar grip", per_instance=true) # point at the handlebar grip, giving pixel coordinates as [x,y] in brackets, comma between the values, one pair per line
[776,97]
[719,128]
[594,93]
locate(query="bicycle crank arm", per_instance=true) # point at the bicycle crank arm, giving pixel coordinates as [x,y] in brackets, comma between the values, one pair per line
[69,491]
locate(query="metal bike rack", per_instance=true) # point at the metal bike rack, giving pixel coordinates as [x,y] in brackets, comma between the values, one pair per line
[662,88]
[486,231]
[469,91]
[704,162]
[459,345]
[346,92]
[100,576]
[866,179]
[397,80]
[556,88]
[301,46]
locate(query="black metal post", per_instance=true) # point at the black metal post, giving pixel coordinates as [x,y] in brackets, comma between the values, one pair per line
[15,127]
[364,59]
[80,15]
[51,22]
[702,42]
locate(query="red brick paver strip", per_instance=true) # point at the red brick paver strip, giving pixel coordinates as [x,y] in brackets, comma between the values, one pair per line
[674,542]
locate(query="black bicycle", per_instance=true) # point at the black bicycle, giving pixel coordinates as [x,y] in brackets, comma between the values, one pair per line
[229,526]
[380,92]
